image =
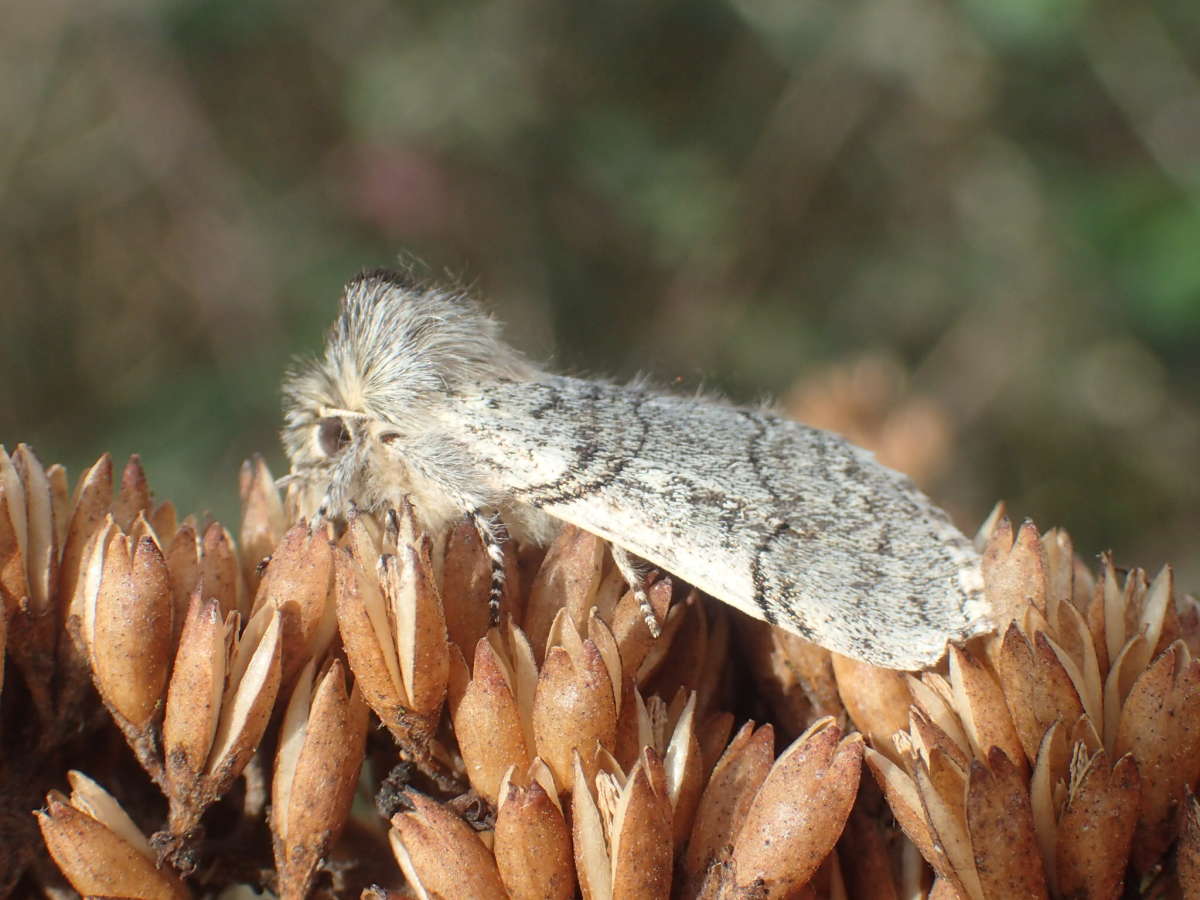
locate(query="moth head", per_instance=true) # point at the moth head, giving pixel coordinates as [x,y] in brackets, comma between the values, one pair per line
[398,353]
[342,459]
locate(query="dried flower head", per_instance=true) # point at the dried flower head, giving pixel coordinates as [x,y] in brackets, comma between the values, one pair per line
[566,751]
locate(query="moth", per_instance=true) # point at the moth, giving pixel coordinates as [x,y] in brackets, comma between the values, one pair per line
[417,397]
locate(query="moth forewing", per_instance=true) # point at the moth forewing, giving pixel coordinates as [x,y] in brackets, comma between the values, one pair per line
[417,397]
[787,523]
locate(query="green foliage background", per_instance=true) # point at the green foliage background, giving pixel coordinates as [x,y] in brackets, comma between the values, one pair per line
[1000,197]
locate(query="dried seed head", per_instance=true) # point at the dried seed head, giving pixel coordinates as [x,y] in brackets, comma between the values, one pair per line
[255,672]
[99,849]
[1080,676]
[1088,695]
[242,672]
[493,715]
[876,699]
[568,578]
[622,829]
[801,807]
[195,693]
[40,550]
[640,842]
[298,582]
[440,855]
[574,706]
[420,626]
[1157,727]
[390,617]
[999,821]
[131,641]
[263,518]
[91,504]
[466,584]
[1095,827]
[725,802]
[533,844]
[320,752]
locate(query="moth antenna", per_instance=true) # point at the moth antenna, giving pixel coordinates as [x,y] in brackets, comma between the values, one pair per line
[633,570]
[492,534]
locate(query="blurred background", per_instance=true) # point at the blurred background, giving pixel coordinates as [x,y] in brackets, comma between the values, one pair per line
[967,234]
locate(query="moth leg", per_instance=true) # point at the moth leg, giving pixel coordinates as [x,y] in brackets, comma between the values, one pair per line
[491,533]
[633,570]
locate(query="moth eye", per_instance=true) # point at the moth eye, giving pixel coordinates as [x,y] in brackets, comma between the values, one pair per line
[332,435]
[389,437]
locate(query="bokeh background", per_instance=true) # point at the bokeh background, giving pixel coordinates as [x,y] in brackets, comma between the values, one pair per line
[967,233]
